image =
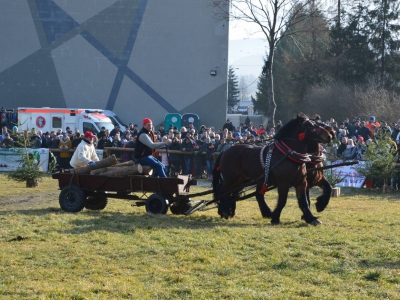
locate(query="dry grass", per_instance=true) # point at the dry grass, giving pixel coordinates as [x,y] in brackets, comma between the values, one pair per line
[124,253]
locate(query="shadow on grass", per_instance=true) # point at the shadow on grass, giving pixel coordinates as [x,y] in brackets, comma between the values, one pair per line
[35,212]
[104,219]
[120,222]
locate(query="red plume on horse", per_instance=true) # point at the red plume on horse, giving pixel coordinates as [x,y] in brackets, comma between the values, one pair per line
[281,164]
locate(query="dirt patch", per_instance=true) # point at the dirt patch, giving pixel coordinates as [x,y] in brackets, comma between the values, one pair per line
[25,201]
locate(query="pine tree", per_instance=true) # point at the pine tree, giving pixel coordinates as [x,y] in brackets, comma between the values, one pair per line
[367,44]
[379,160]
[233,87]
[384,31]
[352,60]
[260,102]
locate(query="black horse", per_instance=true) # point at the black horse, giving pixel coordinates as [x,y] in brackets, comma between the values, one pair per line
[317,178]
[285,161]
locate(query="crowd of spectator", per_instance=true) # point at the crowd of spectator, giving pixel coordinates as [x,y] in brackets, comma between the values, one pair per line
[194,149]
[355,136]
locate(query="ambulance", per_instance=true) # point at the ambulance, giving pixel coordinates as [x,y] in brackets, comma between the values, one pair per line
[48,119]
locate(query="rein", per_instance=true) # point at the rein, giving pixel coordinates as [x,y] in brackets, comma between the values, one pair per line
[293,155]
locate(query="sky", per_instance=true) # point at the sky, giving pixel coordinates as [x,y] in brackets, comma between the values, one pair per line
[239,30]
[247,48]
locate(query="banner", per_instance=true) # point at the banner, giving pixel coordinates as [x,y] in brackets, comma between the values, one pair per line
[352,177]
[9,157]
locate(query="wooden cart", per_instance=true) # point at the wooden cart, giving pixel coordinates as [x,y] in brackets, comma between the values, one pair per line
[92,192]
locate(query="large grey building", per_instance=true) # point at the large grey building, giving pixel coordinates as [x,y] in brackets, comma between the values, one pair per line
[139,58]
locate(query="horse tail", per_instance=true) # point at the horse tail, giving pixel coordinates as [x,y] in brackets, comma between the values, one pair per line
[216,173]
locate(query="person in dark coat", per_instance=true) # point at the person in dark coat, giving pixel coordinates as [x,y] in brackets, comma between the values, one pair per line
[145,148]
[176,158]
[187,146]
[104,142]
[364,131]
[36,142]
[77,140]
[229,126]
[351,150]
[342,147]
[350,128]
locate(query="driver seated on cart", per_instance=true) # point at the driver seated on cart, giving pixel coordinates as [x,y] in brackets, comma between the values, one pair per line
[145,148]
[85,154]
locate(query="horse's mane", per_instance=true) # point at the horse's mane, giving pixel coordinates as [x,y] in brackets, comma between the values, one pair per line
[287,129]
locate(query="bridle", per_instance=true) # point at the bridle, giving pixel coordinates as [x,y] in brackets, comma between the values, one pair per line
[315,127]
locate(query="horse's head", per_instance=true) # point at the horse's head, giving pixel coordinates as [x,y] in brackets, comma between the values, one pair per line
[313,131]
[327,128]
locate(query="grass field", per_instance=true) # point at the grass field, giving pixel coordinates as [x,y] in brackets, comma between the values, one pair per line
[124,253]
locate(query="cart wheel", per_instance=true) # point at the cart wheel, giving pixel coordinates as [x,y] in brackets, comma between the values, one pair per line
[72,198]
[180,207]
[98,202]
[157,204]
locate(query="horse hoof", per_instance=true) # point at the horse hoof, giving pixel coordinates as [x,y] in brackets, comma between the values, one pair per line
[275,222]
[224,215]
[316,222]
[319,207]
[321,203]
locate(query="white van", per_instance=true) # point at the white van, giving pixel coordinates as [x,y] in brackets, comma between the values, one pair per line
[48,119]
[114,119]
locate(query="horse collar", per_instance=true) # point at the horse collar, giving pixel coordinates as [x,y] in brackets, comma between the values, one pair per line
[293,155]
[270,147]
[316,159]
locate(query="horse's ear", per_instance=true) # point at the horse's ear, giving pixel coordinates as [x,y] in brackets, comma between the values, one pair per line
[301,116]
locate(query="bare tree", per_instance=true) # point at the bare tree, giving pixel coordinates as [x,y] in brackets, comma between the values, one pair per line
[339,100]
[276,19]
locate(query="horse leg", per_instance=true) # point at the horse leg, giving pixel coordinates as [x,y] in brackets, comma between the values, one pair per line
[282,198]
[308,200]
[323,200]
[224,206]
[232,204]
[264,208]
[301,193]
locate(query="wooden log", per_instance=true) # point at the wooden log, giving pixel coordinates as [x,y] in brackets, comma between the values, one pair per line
[109,161]
[124,164]
[98,171]
[336,192]
[125,171]
[103,170]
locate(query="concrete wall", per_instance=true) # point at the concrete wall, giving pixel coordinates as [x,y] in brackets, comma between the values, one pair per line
[139,58]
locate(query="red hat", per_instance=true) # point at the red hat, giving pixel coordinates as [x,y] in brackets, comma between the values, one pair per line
[146,120]
[89,134]
[361,138]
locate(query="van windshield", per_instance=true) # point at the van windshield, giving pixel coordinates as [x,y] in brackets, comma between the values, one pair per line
[118,120]
[107,125]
